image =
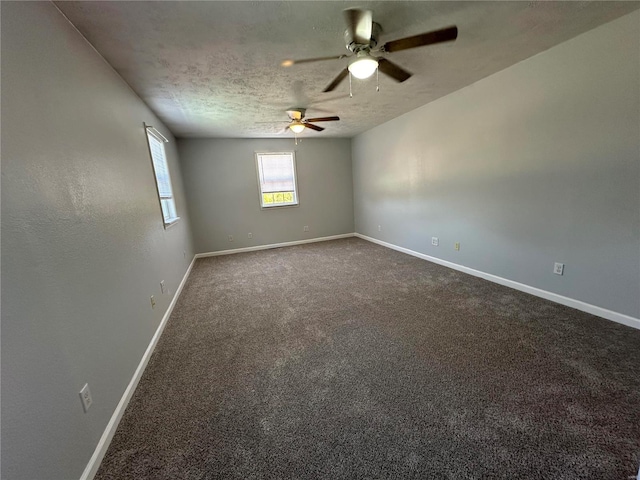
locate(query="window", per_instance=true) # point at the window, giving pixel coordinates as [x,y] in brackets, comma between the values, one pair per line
[163,180]
[277,179]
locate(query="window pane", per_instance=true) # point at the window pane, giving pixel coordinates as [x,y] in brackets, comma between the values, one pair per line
[276,173]
[163,180]
[168,209]
[160,167]
[267,198]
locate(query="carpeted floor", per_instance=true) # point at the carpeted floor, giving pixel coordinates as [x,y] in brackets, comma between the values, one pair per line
[347,360]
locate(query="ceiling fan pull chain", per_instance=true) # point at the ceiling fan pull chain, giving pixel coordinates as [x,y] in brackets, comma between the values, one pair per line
[350,94]
[377,79]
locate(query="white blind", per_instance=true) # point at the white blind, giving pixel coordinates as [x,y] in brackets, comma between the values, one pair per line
[276,172]
[160,167]
[163,180]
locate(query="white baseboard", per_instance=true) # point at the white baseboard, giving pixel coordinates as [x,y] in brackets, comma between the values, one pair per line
[110,430]
[554,297]
[273,245]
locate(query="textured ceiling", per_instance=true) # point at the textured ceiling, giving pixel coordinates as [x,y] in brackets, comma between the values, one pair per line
[212,69]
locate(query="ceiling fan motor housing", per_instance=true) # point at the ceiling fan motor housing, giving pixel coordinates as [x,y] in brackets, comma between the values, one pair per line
[296,113]
[354,47]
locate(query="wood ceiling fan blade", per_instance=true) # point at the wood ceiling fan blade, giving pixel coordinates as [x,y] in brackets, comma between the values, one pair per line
[337,80]
[359,23]
[289,62]
[438,36]
[314,127]
[323,119]
[396,72]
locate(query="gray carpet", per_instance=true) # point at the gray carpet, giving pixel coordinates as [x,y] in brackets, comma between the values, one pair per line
[347,360]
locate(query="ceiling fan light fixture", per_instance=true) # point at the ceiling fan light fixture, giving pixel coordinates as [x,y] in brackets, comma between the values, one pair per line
[297,127]
[363,66]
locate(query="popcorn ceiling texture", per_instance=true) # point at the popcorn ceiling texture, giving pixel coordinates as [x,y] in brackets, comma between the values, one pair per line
[212,69]
[344,360]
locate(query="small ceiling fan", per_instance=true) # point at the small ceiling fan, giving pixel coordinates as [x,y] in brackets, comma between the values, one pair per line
[361,39]
[299,122]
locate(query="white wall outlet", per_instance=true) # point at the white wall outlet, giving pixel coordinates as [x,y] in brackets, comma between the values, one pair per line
[85,397]
[379,228]
[231,238]
[163,288]
[305,228]
[558,268]
[434,241]
[250,235]
[457,246]
[153,302]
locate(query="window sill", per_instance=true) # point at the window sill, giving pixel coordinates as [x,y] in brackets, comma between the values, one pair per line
[171,222]
[282,205]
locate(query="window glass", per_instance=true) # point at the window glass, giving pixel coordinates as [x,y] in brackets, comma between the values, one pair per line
[163,179]
[277,178]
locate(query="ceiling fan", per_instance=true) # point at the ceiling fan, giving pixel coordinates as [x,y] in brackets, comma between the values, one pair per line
[361,39]
[299,122]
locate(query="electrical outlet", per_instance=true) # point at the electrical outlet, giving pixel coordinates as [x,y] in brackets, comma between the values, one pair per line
[379,228]
[305,228]
[153,302]
[558,268]
[231,238]
[250,235]
[457,246]
[162,287]
[85,397]
[434,241]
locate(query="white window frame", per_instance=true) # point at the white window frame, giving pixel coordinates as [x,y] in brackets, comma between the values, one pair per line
[296,194]
[167,219]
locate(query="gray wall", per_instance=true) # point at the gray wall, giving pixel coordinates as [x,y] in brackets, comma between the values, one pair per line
[222,192]
[536,164]
[83,246]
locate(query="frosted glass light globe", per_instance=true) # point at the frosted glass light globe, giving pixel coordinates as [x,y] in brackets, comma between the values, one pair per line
[363,67]
[296,127]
